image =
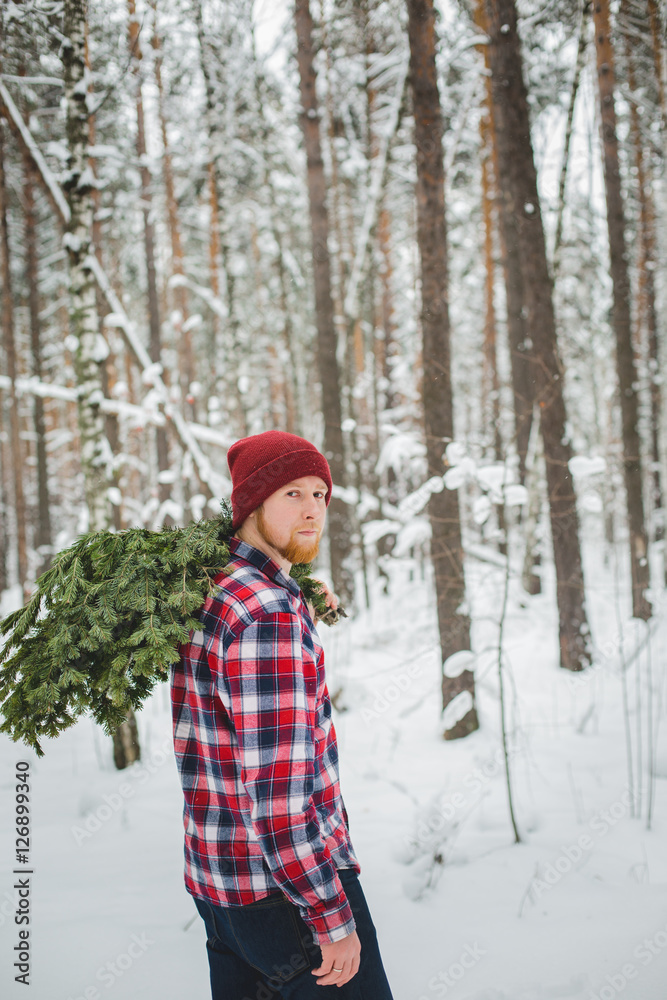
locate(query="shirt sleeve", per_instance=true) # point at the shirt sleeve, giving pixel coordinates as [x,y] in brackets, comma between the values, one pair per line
[273,696]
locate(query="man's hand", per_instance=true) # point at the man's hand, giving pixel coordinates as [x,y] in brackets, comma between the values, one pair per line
[329,596]
[343,955]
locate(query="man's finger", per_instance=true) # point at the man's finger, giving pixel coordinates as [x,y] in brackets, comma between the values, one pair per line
[323,970]
[335,977]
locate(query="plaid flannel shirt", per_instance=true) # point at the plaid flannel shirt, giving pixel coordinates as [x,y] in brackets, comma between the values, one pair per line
[256,751]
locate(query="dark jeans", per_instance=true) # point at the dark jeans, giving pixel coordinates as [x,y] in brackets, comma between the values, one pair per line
[265,950]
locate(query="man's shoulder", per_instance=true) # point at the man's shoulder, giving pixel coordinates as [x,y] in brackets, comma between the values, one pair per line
[243,595]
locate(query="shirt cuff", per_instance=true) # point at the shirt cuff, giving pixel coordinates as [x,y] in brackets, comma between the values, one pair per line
[331,925]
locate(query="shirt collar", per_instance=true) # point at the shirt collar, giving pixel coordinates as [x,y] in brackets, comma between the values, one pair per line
[264,563]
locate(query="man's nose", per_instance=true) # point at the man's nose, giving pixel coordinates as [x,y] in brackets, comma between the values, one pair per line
[311,508]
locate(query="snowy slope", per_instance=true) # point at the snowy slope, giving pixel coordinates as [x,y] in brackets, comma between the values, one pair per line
[577,910]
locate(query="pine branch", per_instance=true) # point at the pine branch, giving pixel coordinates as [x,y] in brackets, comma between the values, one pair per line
[106,623]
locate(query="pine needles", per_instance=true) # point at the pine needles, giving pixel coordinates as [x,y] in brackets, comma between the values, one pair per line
[106,623]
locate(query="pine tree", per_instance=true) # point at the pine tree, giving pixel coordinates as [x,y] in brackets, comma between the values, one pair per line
[517,171]
[444,516]
[621,318]
[339,519]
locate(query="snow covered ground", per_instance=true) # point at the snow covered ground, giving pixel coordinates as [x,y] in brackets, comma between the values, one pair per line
[577,909]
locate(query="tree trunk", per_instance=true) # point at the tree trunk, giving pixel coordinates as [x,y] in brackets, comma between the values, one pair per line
[657,45]
[209,480]
[339,520]
[385,347]
[126,748]
[91,348]
[350,327]
[490,379]
[647,267]
[523,389]
[5,469]
[574,90]
[43,537]
[446,547]
[9,344]
[220,181]
[380,312]
[214,259]
[517,172]
[491,383]
[182,330]
[293,378]
[625,359]
[108,369]
[155,340]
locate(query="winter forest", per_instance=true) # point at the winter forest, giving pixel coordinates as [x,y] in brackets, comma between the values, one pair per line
[430,236]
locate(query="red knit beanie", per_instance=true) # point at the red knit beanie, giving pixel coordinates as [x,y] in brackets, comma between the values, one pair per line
[261,464]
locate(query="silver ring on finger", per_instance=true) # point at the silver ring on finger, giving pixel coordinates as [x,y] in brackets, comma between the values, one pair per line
[336,970]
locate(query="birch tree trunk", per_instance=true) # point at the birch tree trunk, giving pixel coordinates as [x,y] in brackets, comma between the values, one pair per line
[625,359]
[446,546]
[340,532]
[517,172]
[9,344]
[91,349]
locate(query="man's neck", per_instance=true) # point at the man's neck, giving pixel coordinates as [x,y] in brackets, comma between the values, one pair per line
[250,535]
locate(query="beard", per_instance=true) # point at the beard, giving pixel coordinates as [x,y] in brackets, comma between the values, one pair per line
[297,550]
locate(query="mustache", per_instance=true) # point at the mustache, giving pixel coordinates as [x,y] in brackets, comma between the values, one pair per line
[304,549]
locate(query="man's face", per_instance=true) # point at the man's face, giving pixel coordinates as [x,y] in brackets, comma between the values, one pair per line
[291,519]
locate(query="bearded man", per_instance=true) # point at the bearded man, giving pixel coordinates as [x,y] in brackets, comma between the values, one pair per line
[268,856]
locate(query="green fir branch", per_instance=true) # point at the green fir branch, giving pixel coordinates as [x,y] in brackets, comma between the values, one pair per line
[106,623]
